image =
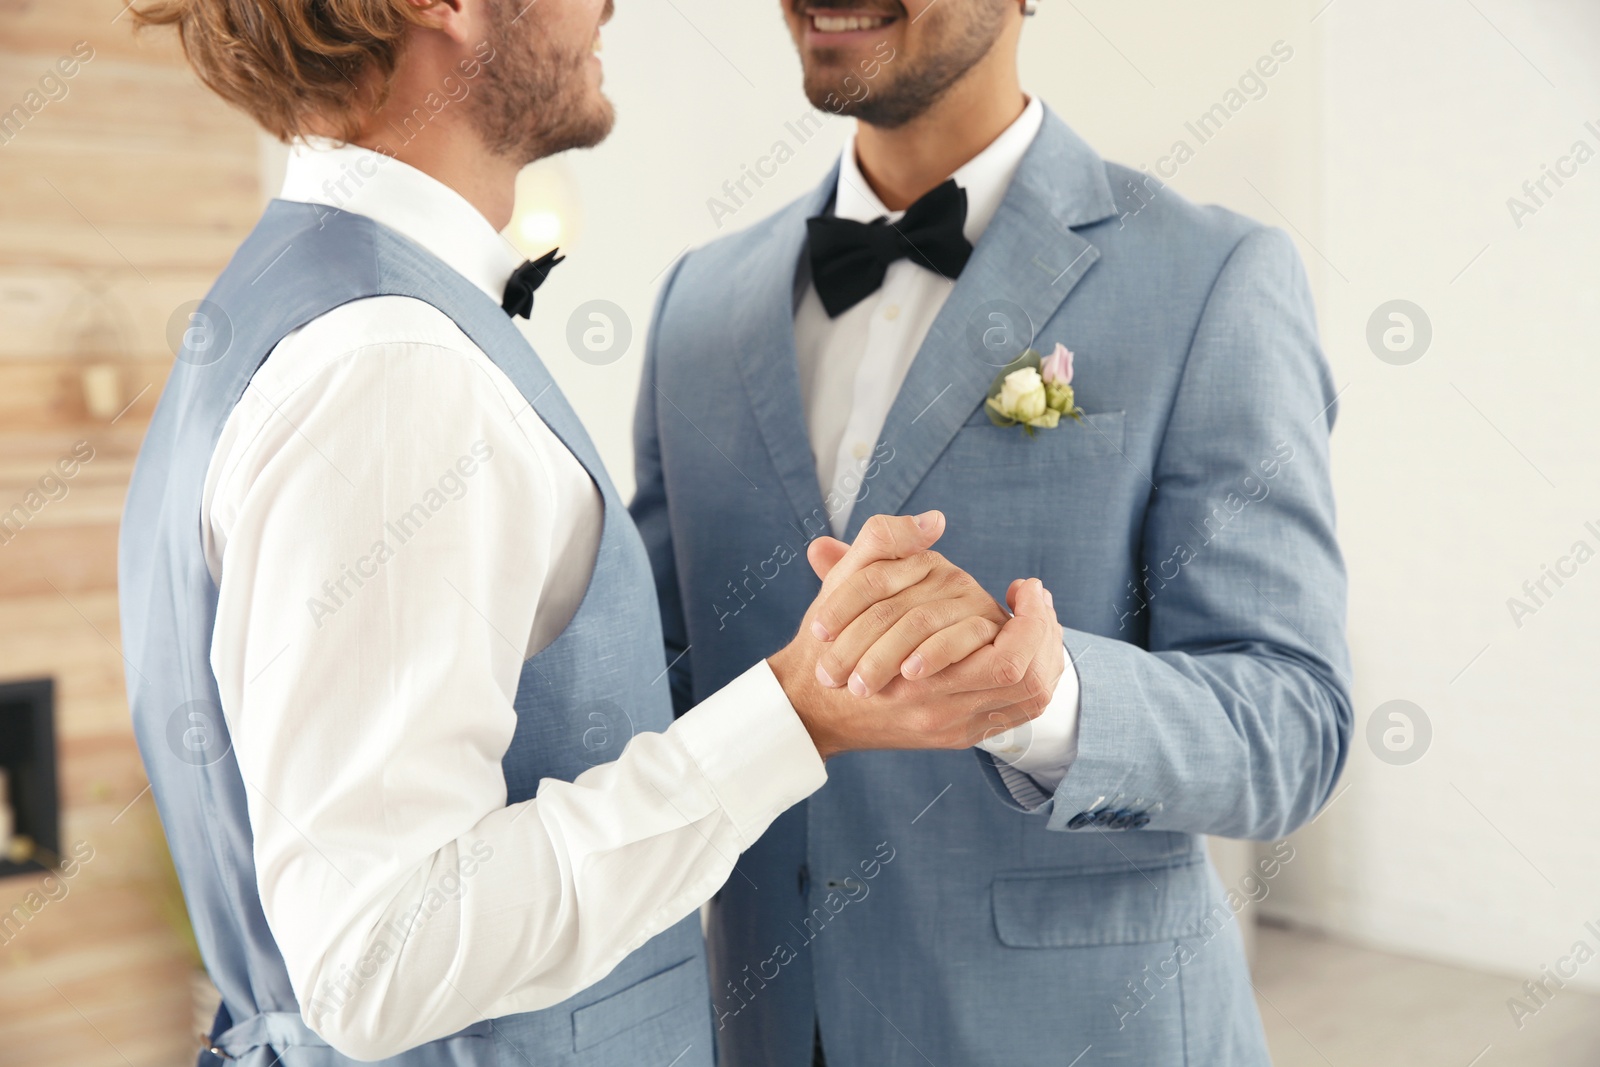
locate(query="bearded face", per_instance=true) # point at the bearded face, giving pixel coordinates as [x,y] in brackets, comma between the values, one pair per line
[933,43]
[541,93]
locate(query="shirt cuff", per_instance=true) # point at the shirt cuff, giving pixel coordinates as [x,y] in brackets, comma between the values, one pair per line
[753,750]
[1042,749]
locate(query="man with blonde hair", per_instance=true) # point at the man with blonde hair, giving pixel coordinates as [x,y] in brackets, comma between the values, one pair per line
[394,653]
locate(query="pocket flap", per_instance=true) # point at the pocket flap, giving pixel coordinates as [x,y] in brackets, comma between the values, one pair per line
[1054,910]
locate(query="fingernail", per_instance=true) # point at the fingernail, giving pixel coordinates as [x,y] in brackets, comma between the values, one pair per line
[913,665]
[857,686]
[1049,598]
[825,678]
[925,520]
[819,631]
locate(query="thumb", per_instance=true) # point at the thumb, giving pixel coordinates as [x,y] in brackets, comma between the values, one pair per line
[1031,600]
[824,553]
[1011,593]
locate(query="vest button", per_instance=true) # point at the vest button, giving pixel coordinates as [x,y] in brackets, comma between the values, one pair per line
[804,879]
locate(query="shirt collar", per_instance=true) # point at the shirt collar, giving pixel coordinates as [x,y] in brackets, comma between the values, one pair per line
[406,200]
[985,177]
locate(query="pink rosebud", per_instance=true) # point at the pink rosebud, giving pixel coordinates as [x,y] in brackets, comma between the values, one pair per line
[1056,368]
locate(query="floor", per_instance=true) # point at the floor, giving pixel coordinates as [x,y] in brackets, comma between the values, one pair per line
[1330,1004]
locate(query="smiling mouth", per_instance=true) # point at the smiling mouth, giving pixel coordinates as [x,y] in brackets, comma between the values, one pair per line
[846,21]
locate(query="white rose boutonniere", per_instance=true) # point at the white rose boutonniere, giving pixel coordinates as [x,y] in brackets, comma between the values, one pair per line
[1034,392]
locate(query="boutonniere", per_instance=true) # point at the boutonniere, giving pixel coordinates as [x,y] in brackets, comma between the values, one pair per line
[1034,392]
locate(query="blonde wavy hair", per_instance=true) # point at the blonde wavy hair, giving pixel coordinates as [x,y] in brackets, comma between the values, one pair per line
[297,67]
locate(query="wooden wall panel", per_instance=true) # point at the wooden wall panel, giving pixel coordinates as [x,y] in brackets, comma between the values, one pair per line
[133,248]
[124,102]
[49,394]
[67,189]
[119,202]
[50,27]
[53,313]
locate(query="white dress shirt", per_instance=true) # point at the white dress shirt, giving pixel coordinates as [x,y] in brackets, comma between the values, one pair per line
[367,678]
[847,395]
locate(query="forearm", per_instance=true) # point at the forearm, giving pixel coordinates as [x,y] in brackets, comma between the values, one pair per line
[541,899]
[1236,744]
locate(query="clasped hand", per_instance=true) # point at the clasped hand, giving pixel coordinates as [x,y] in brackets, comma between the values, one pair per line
[902,649]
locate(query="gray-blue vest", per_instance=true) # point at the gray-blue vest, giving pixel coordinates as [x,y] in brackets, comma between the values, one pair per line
[300,262]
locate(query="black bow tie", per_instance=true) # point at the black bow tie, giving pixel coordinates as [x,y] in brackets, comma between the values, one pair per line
[849,258]
[525,279]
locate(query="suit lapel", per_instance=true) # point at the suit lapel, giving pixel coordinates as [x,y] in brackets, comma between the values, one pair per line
[763,326]
[1029,257]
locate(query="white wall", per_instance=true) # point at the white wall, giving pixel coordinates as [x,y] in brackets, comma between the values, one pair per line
[1459,475]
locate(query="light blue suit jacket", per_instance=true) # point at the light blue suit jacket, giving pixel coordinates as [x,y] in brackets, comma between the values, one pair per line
[912,909]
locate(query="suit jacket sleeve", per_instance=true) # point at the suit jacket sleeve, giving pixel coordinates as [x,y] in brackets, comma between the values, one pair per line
[1235,719]
[649,510]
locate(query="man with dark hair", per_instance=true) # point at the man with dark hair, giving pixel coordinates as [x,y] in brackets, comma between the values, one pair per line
[1099,382]
[394,660]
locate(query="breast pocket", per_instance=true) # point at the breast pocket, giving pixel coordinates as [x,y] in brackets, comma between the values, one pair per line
[982,444]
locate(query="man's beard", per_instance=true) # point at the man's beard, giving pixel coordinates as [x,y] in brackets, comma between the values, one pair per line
[916,85]
[533,100]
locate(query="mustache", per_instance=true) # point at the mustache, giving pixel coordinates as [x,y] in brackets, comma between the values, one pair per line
[855,7]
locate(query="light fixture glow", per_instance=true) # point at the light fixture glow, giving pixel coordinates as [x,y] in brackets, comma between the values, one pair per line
[548,211]
[540,227]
